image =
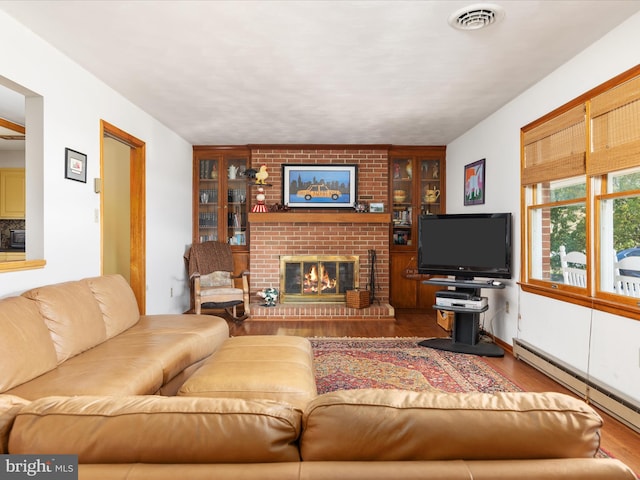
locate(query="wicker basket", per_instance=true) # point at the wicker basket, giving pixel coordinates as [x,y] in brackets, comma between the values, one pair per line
[358,298]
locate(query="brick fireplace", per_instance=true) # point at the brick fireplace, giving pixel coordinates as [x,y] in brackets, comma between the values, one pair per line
[322,232]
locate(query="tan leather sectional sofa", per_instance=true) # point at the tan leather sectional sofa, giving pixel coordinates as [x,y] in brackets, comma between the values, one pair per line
[90,394]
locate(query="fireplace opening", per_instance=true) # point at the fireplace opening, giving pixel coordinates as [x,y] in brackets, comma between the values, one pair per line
[317,278]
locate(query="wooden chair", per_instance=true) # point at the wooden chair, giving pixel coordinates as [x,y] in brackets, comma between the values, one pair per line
[213,284]
[626,284]
[571,272]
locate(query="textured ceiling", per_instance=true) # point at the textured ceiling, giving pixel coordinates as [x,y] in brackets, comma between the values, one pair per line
[368,72]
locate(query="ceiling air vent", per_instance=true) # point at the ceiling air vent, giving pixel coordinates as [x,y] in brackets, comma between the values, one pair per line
[477,16]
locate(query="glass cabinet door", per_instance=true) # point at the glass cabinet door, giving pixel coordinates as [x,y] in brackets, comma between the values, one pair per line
[221,206]
[402,200]
[430,185]
[236,200]
[208,199]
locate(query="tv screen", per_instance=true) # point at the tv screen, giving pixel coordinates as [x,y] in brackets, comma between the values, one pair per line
[465,245]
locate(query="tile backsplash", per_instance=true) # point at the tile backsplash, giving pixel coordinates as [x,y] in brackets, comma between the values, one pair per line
[5,226]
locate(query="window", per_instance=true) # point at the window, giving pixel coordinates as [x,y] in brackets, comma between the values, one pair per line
[581,195]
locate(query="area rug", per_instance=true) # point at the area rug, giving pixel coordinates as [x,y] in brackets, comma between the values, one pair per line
[400,363]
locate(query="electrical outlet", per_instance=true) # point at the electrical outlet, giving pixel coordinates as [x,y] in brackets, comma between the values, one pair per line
[96,215]
[506,307]
[171,292]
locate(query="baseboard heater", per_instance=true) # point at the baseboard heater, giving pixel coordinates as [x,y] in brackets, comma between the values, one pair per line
[614,403]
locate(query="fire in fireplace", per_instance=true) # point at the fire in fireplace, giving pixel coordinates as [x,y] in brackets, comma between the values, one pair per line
[317,278]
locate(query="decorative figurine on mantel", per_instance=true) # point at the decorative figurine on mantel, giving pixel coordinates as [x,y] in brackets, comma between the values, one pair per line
[262,175]
[260,207]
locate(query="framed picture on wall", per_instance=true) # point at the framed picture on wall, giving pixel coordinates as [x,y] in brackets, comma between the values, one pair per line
[75,165]
[474,185]
[322,186]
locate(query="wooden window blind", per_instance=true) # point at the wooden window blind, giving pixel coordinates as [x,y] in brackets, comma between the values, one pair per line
[615,129]
[556,148]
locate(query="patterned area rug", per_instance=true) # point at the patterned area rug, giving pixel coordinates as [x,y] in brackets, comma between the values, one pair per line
[351,363]
[400,363]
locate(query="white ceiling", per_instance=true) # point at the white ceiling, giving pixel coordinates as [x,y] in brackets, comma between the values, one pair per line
[366,72]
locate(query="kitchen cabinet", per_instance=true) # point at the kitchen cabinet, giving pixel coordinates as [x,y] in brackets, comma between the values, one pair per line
[12,193]
[417,187]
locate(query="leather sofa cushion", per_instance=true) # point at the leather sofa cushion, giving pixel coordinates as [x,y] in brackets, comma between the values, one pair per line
[138,361]
[400,425]
[72,315]
[153,429]
[26,348]
[116,301]
[10,405]
[273,367]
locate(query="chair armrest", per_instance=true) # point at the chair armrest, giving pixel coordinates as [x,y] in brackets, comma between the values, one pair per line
[241,274]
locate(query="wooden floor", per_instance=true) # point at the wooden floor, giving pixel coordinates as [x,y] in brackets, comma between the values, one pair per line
[618,440]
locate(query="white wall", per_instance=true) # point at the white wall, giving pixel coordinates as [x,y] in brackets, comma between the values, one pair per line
[74,102]
[605,345]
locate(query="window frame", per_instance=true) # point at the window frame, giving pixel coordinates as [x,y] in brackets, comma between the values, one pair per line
[593,296]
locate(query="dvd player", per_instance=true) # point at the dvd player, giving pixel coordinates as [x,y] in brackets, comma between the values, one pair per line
[453,294]
[474,303]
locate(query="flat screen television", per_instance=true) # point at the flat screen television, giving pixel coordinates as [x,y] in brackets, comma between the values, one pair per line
[465,245]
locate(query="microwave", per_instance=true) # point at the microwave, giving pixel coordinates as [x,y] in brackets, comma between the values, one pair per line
[16,238]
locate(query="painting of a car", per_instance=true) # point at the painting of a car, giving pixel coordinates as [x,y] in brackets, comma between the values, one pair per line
[319,191]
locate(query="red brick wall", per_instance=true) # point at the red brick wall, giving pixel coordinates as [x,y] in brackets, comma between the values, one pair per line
[269,241]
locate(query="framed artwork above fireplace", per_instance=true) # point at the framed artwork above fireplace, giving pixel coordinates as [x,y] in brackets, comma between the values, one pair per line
[319,186]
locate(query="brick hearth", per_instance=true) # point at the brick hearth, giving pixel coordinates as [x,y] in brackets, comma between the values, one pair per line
[295,312]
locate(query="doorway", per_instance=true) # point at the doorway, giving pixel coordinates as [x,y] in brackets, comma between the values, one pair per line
[122,208]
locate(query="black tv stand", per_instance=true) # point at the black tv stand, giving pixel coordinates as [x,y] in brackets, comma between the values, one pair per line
[465,334]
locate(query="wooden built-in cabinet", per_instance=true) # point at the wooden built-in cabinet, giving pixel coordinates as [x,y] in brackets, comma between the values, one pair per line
[221,199]
[416,187]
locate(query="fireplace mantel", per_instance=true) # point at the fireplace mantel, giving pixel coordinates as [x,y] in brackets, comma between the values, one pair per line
[320,217]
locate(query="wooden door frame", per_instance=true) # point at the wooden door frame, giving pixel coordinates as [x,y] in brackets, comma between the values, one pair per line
[137,208]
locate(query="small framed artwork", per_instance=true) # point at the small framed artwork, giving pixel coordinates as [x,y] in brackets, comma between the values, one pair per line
[320,186]
[474,186]
[75,165]
[376,207]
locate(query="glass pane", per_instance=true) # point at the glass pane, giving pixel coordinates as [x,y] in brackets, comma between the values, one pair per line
[624,181]
[429,186]
[237,201]
[402,173]
[346,276]
[552,228]
[619,239]
[561,190]
[208,200]
[328,277]
[293,278]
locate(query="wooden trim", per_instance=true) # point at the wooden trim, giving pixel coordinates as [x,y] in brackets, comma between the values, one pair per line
[137,208]
[18,265]
[12,126]
[320,217]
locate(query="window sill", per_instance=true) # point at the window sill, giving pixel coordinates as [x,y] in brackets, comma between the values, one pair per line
[628,310]
[19,265]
